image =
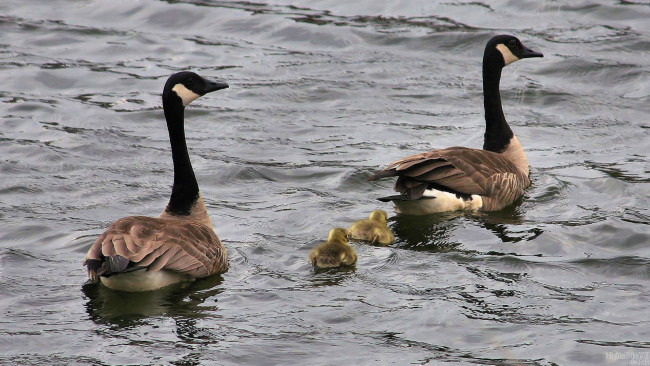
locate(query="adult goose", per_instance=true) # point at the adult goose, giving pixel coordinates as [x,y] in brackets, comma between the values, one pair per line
[139,253]
[460,178]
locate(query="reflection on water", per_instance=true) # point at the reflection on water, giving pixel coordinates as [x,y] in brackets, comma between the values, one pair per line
[435,232]
[427,233]
[322,95]
[331,276]
[124,309]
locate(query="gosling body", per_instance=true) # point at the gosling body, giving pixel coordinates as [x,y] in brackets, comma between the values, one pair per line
[335,252]
[374,229]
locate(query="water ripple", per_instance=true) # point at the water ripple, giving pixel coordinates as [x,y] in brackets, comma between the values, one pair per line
[321,96]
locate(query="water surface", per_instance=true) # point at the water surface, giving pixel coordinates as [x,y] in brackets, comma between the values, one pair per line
[321,95]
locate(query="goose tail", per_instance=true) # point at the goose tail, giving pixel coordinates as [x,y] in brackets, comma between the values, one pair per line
[109,266]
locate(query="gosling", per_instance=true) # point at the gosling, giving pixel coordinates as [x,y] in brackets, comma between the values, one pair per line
[335,252]
[373,229]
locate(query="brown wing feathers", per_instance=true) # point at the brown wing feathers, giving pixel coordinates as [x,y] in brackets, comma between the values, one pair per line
[457,169]
[176,245]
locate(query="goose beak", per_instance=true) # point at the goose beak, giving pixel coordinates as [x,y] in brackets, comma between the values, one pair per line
[530,53]
[213,86]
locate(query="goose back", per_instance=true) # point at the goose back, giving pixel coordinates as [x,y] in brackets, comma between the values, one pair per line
[462,171]
[153,244]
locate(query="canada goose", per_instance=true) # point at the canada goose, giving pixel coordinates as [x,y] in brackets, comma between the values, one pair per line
[460,178]
[335,252]
[139,253]
[373,229]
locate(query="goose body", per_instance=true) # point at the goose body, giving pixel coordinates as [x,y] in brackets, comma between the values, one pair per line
[139,253]
[461,178]
[335,252]
[373,229]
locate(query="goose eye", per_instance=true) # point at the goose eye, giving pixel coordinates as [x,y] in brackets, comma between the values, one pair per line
[190,81]
[512,43]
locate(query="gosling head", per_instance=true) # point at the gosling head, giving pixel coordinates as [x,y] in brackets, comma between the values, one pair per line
[508,49]
[338,235]
[379,216]
[186,86]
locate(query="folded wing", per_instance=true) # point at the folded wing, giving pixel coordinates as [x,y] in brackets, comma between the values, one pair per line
[459,170]
[176,245]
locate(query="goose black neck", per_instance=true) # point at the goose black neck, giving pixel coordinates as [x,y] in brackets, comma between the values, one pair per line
[185,190]
[497,132]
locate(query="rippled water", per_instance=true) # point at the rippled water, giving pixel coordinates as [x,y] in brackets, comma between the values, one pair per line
[322,94]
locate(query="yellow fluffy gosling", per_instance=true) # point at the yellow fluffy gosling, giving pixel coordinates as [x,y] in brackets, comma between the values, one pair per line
[335,252]
[373,229]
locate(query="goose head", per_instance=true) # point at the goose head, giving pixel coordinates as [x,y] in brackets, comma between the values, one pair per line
[506,49]
[338,235]
[186,86]
[379,216]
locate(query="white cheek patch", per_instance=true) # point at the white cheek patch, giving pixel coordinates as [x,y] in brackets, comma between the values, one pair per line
[508,56]
[187,96]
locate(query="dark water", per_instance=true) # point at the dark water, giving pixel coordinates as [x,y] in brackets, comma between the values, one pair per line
[322,94]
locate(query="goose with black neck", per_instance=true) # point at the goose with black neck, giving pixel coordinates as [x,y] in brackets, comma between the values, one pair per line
[139,253]
[461,178]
